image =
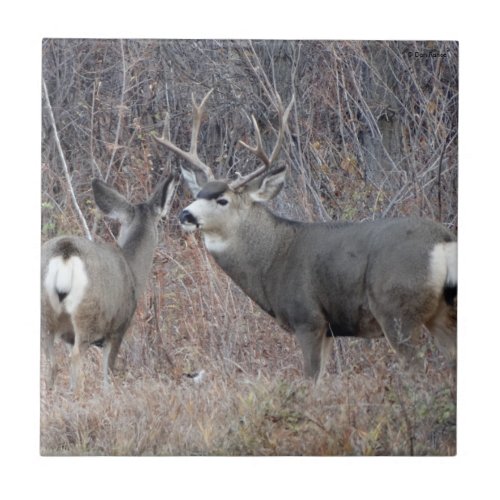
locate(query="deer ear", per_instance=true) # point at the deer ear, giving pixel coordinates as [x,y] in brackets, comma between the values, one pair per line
[191,180]
[269,185]
[162,197]
[111,202]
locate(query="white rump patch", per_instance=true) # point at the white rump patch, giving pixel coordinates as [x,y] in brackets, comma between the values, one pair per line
[443,265]
[69,277]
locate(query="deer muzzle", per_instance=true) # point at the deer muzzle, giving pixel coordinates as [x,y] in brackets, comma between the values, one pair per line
[188,219]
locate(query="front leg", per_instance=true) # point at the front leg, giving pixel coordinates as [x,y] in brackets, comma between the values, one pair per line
[316,348]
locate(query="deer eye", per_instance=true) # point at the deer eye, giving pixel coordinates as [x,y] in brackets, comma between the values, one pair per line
[222,201]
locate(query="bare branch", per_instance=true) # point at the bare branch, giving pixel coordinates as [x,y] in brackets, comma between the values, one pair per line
[64,164]
[121,108]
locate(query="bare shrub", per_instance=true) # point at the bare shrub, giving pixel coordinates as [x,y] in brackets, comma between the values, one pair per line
[373,133]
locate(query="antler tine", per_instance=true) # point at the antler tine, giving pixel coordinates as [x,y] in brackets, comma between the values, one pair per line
[191,156]
[258,149]
[283,117]
[197,115]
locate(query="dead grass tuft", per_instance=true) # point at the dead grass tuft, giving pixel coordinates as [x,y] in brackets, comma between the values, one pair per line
[253,399]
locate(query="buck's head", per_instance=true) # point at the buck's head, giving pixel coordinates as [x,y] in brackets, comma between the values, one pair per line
[221,205]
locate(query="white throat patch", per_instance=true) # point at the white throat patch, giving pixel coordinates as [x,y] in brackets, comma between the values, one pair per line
[215,243]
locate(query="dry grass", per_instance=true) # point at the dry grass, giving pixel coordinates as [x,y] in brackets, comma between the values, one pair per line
[253,400]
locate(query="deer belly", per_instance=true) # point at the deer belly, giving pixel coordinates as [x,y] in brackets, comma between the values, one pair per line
[336,329]
[362,324]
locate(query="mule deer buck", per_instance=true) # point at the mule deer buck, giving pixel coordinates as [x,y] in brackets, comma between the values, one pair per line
[90,290]
[319,280]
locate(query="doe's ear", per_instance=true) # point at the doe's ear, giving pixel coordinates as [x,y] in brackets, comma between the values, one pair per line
[162,196]
[191,180]
[111,202]
[268,186]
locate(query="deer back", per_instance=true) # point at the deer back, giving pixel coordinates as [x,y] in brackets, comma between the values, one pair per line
[102,281]
[386,277]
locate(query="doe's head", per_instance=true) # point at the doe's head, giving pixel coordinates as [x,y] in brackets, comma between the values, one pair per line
[117,207]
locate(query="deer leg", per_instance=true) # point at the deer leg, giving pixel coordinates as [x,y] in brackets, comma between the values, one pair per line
[79,348]
[114,346]
[110,351]
[326,352]
[49,359]
[401,327]
[316,348]
[106,349]
[443,328]
[402,336]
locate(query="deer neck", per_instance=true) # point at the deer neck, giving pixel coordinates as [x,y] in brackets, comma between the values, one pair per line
[248,252]
[138,247]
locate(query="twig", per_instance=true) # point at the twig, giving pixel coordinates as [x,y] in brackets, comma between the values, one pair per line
[91,138]
[318,424]
[440,169]
[64,164]
[156,321]
[121,108]
[406,418]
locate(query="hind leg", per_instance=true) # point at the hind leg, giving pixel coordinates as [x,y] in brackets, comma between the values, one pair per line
[77,352]
[401,331]
[443,328]
[111,348]
[402,337]
[50,372]
[110,351]
[401,312]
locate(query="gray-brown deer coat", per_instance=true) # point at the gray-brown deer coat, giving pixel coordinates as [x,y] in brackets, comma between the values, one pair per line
[89,289]
[319,280]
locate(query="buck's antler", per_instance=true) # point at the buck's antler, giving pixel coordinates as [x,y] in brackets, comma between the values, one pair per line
[192,155]
[258,149]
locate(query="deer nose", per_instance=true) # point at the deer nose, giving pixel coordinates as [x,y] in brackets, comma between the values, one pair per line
[188,218]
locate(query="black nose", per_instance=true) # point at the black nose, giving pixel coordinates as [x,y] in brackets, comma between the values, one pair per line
[187,218]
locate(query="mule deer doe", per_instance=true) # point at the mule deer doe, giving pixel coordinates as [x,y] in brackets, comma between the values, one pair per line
[90,290]
[319,280]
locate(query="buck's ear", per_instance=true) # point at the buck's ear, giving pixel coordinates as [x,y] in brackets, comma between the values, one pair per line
[268,186]
[162,196]
[111,202]
[191,180]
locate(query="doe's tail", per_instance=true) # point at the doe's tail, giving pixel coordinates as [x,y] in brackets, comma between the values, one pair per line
[65,283]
